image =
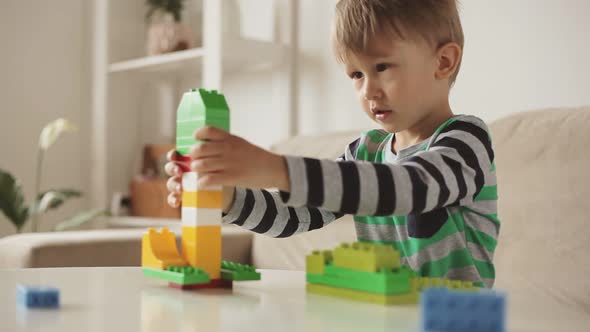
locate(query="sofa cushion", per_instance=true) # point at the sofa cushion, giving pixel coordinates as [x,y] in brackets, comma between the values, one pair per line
[543,169]
[120,247]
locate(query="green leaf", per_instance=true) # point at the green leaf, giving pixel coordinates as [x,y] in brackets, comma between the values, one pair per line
[52,199]
[81,219]
[12,201]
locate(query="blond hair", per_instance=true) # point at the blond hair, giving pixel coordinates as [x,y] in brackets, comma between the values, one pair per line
[357,21]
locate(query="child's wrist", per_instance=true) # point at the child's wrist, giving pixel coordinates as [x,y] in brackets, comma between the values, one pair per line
[281,173]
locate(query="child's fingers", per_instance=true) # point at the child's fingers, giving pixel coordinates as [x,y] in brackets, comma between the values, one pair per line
[174,185]
[172,169]
[207,165]
[172,155]
[206,149]
[174,200]
[210,133]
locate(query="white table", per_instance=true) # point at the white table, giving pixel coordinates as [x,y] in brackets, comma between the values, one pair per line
[122,299]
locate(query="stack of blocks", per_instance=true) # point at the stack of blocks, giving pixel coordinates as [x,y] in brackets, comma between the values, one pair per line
[370,273]
[200,265]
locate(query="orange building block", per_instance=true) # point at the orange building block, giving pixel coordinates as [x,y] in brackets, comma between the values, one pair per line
[158,250]
[201,247]
[202,199]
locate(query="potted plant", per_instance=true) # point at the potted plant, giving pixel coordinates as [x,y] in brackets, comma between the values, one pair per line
[166,33]
[12,202]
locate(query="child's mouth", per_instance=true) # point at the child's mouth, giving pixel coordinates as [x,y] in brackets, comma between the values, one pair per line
[382,114]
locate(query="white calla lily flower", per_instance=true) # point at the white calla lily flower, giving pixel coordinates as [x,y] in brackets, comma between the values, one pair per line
[52,131]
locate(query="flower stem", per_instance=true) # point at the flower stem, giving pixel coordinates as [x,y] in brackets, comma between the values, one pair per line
[37,190]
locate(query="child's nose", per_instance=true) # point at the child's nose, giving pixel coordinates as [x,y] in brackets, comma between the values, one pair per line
[371,90]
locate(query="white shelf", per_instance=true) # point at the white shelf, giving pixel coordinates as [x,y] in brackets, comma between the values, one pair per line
[157,63]
[241,55]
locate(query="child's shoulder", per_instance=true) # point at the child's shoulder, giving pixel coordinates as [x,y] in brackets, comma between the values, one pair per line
[463,121]
[367,144]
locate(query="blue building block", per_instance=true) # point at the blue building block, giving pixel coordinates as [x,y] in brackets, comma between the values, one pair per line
[37,297]
[445,310]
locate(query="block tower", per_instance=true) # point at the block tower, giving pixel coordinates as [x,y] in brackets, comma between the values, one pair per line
[199,264]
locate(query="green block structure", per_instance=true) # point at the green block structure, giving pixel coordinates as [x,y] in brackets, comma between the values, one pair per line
[182,275]
[238,272]
[370,273]
[198,108]
[386,282]
[315,262]
[366,256]
[399,299]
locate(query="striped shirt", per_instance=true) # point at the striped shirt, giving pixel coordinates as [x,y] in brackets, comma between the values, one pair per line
[435,201]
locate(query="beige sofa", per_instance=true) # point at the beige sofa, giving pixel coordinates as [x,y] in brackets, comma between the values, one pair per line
[543,167]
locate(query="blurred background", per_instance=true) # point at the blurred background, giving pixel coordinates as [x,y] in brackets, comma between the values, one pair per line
[117,69]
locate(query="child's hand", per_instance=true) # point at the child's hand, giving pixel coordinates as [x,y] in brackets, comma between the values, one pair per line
[227,160]
[174,184]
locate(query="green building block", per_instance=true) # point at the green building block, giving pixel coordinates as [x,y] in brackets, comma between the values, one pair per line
[406,298]
[367,257]
[182,275]
[385,282]
[199,108]
[315,262]
[238,272]
[426,282]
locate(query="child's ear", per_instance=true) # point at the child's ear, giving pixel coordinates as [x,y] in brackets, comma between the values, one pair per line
[448,57]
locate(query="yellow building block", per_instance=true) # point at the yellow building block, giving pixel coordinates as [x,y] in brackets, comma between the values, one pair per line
[315,262]
[202,199]
[367,257]
[158,250]
[201,248]
[407,298]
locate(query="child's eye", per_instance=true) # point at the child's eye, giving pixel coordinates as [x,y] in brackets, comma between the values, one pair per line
[356,75]
[382,67]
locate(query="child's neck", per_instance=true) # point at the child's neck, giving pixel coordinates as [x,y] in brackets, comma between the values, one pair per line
[422,129]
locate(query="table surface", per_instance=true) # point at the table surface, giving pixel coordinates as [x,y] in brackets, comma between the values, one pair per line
[123,299]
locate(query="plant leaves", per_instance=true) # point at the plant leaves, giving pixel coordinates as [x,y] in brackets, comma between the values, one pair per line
[12,201]
[80,219]
[52,199]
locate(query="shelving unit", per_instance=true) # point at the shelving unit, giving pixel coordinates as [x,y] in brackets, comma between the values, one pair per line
[122,107]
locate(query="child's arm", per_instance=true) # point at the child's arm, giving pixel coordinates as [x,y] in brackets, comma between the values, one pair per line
[262,211]
[452,172]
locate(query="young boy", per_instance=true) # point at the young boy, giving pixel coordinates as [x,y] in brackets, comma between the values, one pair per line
[425,182]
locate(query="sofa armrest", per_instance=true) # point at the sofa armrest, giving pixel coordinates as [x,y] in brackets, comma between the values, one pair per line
[120,247]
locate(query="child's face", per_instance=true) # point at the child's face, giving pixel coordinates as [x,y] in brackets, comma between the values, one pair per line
[395,81]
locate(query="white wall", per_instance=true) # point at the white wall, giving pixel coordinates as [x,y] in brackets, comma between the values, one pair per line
[43,76]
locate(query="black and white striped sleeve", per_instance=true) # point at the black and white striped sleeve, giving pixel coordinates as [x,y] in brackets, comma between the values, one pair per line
[263,211]
[451,172]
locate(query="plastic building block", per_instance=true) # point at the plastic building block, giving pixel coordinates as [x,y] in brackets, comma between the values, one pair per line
[199,108]
[406,298]
[458,311]
[238,272]
[215,283]
[385,282]
[158,250]
[426,282]
[37,297]
[190,180]
[201,247]
[366,256]
[202,199]
[315,262]
[200,217]
[183,275]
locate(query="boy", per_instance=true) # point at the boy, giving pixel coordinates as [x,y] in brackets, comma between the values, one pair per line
[424,183]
